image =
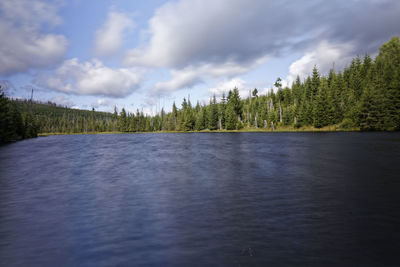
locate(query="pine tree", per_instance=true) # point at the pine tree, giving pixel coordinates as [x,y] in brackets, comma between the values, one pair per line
[122,121]
[388,68]
[231,117]
[221,110]
[213,114]
[234,99]
[315,82]
[321,116]
[200,120]
[371,109]
[174,115]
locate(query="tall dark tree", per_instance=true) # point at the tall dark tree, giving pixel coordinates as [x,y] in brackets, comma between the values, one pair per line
[388,68]
[321,106]
[315,81]
[213,114]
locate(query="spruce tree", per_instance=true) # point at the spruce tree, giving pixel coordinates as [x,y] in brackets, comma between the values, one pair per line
[213,115]
[231,117]
[371,109]
[321,117]
[315,82]
[388,68]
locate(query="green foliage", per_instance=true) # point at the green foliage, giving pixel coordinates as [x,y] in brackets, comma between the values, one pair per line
[188,120]
[14,125]
[213,115]
[321,106]
[231,117]
[388,70]
[366,95]
[347,124]
[234,100]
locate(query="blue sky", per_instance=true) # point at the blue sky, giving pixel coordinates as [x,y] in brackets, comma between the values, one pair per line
[147,54]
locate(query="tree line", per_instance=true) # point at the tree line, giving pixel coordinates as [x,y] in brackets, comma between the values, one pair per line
[14,124]
[365,95]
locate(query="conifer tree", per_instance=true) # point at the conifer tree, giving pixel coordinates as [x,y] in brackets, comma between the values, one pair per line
[321,114]
[122,121]
[388,68]
[213,114]
[315,82]
[371,109]
[231,117]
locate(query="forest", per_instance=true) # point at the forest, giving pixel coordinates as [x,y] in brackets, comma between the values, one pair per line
[363,96]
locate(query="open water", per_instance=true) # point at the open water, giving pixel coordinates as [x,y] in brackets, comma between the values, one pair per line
[201,199]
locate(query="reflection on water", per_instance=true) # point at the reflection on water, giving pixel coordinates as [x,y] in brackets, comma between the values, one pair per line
[230,199]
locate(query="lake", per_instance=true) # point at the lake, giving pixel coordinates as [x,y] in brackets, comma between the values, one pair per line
[201,199]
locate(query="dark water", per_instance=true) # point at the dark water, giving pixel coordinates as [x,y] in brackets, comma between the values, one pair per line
[232,199]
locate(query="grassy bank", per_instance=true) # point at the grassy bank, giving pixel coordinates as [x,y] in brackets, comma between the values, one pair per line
[330,128]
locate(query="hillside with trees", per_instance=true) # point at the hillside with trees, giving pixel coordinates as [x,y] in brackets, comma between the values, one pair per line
[14,124]
[365,96]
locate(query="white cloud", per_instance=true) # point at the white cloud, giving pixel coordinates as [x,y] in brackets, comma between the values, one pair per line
[24,45]
[188,35]
[109,38]
[324,55]
[192,75]
[31,13]
[226,85]
[62,100]
[92,78]
[103,102]
[245,88]
[191,32]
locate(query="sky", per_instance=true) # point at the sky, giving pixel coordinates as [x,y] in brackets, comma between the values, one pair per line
[146,54]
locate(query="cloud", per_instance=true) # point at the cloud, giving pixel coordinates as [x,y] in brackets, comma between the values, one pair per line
[188,35]
[92,78]
[62,101]
[200,32]
[225,86]
[103,102]
[243,86]
[193,75]
[109,38]
[31,13]
[324,56]
[7,87]
[25,46]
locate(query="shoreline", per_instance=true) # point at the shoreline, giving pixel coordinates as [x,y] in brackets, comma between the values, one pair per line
[331,128]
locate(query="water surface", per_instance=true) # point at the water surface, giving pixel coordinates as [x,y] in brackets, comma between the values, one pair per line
[205,199]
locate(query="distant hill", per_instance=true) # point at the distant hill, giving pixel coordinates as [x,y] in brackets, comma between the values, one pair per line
[53,118]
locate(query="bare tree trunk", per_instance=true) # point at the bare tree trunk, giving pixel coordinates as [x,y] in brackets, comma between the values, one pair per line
[280,113]
[255,120]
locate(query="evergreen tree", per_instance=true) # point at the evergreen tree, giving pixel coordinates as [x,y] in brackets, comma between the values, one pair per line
[231,117]
[122,121]
[188,120]
[371,109]
[321,109]
[221,110]
[174,114]
[388,67]
[234,100]
[213,114]
[315,82]
[200,120]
